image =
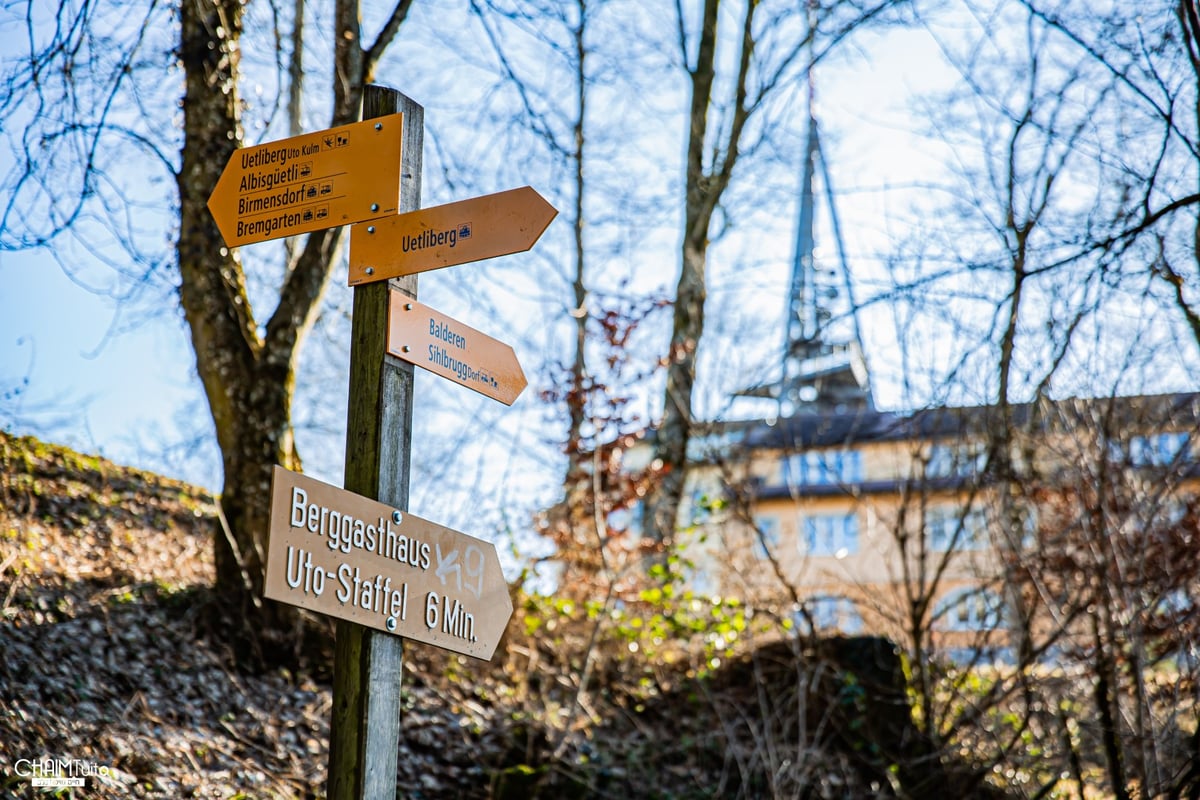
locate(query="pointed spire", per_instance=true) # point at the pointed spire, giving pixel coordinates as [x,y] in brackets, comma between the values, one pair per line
[802,320]
[822,369]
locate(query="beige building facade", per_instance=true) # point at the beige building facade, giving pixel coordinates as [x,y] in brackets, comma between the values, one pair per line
[903,525]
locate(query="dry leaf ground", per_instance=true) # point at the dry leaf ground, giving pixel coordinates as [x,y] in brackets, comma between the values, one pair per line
[108,658]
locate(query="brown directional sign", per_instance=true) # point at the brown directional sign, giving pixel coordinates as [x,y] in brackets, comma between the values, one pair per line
[430,339]
[341,554]
[310,182]
[443,236]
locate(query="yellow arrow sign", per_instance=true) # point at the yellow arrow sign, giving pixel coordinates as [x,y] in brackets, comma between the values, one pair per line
[442,236]
[429,339]
[310,182]
[338,553]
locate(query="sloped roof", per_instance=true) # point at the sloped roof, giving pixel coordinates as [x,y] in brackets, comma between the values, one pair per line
[867,425]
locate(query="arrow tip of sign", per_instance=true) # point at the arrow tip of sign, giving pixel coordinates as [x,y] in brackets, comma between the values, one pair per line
[548,209]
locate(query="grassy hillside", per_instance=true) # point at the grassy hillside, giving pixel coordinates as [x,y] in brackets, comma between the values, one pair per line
[107,655]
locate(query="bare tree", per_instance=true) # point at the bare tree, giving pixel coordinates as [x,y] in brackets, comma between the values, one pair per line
[767,48]
[1065,264]
[247,368]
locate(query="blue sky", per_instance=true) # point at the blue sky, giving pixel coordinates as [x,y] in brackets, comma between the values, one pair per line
[132,396]
[114,394]
[125,394]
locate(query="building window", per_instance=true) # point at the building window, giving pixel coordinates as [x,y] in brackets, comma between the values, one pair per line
[710,446]
[1171,613]
[829,534]
[830,613]
[948,528]
[969,610]
[1159,449]
[703,505]
[975,656]
[957,460]
[626,519]
[766,536]
[823,468]
[1173,606]
[1029,527]
[1017,533]
[701,582]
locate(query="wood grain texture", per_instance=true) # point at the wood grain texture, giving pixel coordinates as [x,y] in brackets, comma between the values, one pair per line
[365,730]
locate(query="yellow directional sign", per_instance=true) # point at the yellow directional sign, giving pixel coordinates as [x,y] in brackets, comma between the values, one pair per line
[345,555]
[442,236]
[310,182]
[430,339]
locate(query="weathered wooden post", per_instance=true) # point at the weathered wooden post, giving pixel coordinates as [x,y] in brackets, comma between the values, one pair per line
[365,730]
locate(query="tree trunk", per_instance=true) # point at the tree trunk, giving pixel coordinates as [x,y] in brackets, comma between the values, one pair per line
[248,378]
[577,398]
[671,445]
[212,286]
[705,185]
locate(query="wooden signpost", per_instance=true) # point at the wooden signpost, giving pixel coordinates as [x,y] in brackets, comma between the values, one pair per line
[433,341]
[443,236]
[309,182]
[356,554]
[356,559]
